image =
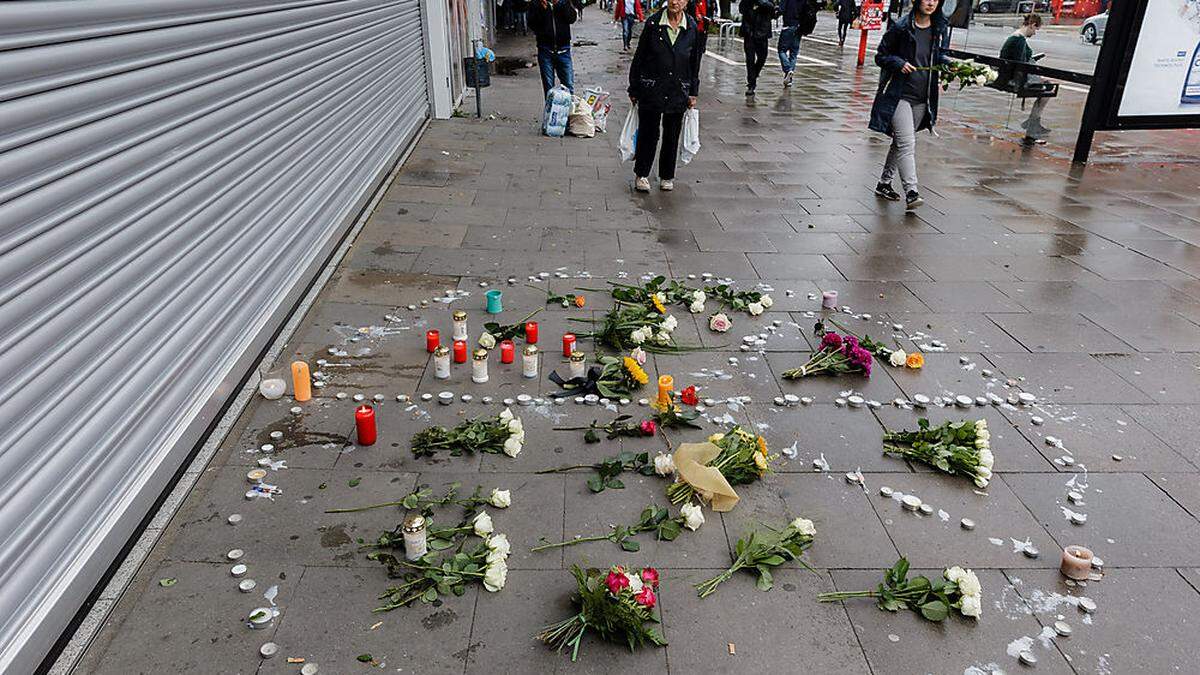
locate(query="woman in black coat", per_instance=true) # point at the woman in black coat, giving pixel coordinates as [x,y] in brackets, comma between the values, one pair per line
[664,80]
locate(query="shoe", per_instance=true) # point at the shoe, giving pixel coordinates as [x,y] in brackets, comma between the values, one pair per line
[787,79]
[666,185]
[750,90]
[912,201]
[886,191]
[641,184]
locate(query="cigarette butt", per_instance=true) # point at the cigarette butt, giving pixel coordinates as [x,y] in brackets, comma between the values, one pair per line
[732,648]
[377,625]
[295,659]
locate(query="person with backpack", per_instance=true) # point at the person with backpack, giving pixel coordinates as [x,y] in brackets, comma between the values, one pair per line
[551,22]
[799,19]
[664,80]
[628,13]
[906,100]
[755,31]
[847,12]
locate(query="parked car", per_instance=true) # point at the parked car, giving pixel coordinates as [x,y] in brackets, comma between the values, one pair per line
[1011,6]
[1092,29]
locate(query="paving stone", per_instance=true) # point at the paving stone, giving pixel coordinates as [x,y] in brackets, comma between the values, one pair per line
[311,439]
[792,265]
[1118,506]
[1174,424]
[877,268]
[1060,333]
[1069,378]
[715,377]
[1166,378]
[960,332]
[965,296]
[848,439]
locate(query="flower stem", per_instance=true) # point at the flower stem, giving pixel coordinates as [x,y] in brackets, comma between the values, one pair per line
[569,542]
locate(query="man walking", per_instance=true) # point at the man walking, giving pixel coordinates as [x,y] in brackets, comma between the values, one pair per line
[847,12]
[551,23]
[1016,48]
[799,19]
[755,31]
[628,13]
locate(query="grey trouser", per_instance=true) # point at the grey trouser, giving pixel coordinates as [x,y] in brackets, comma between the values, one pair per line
[1033,125]
[902,156]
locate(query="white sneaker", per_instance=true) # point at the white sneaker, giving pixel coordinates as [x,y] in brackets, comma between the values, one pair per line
[787,80]
[666,185]
[641,184]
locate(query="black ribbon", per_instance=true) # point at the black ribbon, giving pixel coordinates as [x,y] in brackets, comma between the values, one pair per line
[577,386]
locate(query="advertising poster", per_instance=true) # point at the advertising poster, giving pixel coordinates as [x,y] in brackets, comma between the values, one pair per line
[1164,73]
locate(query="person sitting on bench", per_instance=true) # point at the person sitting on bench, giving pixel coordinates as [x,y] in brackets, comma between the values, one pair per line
[1011,78]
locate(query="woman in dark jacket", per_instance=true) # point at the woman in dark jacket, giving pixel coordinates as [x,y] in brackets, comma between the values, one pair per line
[847,12]
[907,98]
[664,80]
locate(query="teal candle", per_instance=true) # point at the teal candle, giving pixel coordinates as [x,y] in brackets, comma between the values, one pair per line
[494,304]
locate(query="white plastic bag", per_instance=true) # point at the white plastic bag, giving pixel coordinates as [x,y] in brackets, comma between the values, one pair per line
[557,112]
[628,141]
[691,135]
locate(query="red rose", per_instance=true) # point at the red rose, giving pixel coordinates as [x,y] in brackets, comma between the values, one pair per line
[648,427]
[616,581]
[646,598]
[688,396]
[650,576]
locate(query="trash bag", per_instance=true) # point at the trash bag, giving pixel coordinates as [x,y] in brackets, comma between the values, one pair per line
[628,140]
[581,122]
[691,135]
[557,112]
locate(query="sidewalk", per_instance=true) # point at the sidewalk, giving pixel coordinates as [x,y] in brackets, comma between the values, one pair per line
[1082,288]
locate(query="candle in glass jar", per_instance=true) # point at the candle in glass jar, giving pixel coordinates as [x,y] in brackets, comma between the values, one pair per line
[479,373]
[568,344]
[364,423]
[432,340]
[460,325]
[301,381]
[507,351]
[441,363]
[665,385]
[531,332]
[529,361]
[414,537]
[460,351]
[578,365]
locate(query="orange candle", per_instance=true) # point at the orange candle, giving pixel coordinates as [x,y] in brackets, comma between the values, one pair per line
[666,384]
[301,383]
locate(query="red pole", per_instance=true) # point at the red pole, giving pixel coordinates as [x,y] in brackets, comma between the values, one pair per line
[862,48]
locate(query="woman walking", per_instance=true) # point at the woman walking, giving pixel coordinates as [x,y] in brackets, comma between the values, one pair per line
[847,12]
[664,80]
[907,98]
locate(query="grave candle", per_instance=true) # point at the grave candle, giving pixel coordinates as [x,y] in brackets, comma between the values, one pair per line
[460,325]
[529,362]
[578,365]
[479,371]
[414,537]
[507,351]
[829,299]
[460,351]
[1076,562]
[364,423]
[301,382]
[432,340]
[568,344]
[531,332]
[666,384]
[441,363]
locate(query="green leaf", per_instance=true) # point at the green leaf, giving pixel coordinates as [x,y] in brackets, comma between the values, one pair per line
[595,484]
[591,436]
[772,560]
[615,484]
[365,658]
[668,530]
[630,545]
[935,610]
[765,580]
[354,482]
[168,582]
[429,595]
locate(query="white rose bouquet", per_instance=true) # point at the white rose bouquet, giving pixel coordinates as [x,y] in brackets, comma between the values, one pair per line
[435,574]
[503,433]
[931,598]
[763,550]
[959,448]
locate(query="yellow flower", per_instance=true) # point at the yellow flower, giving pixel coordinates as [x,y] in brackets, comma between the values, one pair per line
[636,371]
[760,460]
[762,446]
[580,301]
[658,305]
[715,437]
[915,360]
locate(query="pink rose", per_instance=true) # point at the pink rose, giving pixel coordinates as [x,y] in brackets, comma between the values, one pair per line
[649,427]
[646,598]
[650,576]
[719,322]
[616,581]
[639,355]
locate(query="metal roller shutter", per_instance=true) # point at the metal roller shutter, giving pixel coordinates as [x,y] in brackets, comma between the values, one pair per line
[172,175]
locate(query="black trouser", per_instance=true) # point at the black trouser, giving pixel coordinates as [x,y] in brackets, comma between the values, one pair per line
[647,141]
[755,49]
[843,26]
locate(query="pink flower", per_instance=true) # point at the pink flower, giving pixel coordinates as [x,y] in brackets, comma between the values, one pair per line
[719,322]
[650,576]
[616,581]
[849,344]
[646,598]
[639,355]
[688,396]
[649,427]
[831,340]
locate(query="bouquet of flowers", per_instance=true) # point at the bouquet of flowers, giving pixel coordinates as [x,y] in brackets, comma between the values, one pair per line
[965,73]
[895,357]
[614,603]
[761,551]
[837,354]
[422,499]
[673,416]
[611,377]
[607,471]
[436,575]
[742,459]
[658,293]
[627,326]
[503,433]
[933,599]
[751,302]
[620,426]
[653,519]
[960,448]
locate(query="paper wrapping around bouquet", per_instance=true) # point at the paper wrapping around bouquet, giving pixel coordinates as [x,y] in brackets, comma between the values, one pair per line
[691,461]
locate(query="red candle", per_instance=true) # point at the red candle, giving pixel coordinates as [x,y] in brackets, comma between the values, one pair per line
[432,340]
[507,350]
[460,351]
[531,332]
[568,344]
[364,422]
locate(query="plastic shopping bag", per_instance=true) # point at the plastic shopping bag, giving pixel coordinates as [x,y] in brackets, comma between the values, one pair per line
[628,141]
[691,135]
[581,123]
[558,110]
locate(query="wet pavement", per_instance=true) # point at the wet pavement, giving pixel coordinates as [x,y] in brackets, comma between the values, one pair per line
[1080,287]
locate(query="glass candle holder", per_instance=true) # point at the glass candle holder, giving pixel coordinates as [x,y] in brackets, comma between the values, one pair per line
[568,344]
[441,363]
[529,362]
[479,370]
[578,365]
[415,545]
[460,325]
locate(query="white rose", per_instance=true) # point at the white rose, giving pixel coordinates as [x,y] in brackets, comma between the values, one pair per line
[506,416]
[755,308]
[969,584]
[766,301]
[494,557]
[981,482]
[980,425]
[954,573]
[664,464]
[696,307]
[494,576]
[693,516]
[986,458]
[499,543]
[898,358]
[983,472]
[520,436]
[984,434]
[971,606]
[699,296]
[515,426]
[663,337]
[635,583]
[719,322]
[501,499]
[637,337]
[670,323]
[804,526]
[482,524]
[981,79]
[982,444]
[487,341]
[512,447]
